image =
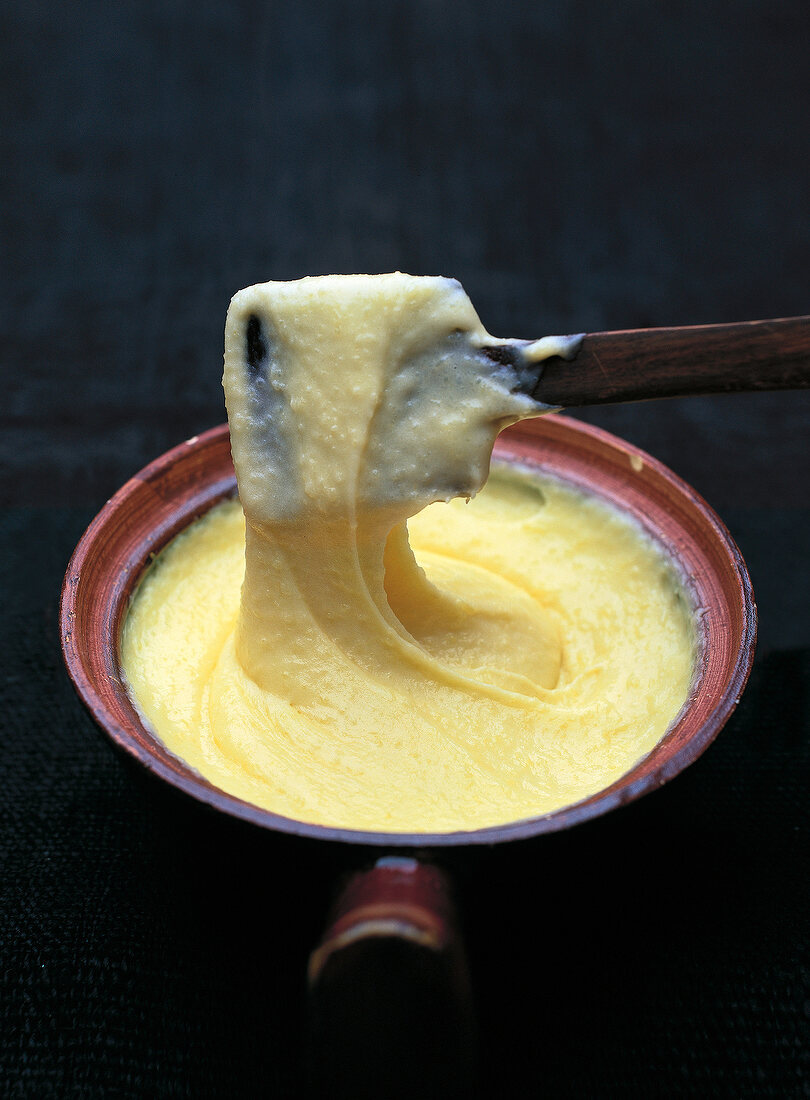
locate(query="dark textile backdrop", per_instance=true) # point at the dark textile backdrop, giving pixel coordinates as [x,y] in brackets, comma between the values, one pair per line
[578,166]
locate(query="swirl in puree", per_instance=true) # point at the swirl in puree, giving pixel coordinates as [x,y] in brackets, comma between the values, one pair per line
[356,642]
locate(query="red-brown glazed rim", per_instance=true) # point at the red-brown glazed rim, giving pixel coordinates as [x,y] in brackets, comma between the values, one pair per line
[160,501]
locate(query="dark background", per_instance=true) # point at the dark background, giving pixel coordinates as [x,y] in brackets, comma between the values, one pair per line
[578,166]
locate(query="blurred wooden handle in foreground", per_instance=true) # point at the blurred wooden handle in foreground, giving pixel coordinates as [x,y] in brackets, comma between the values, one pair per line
[391,1012]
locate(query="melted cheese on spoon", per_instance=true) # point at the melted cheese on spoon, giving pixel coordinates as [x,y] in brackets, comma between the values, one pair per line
[528,653]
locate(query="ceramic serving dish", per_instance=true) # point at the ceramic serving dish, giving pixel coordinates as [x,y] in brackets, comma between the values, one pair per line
[160,501]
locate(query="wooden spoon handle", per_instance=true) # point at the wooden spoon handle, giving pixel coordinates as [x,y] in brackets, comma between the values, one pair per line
[639,364]
[391,1012]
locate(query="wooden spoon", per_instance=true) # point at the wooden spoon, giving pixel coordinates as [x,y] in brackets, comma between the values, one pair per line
[639,364]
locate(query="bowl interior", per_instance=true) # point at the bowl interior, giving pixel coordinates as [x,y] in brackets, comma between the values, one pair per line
[160,501]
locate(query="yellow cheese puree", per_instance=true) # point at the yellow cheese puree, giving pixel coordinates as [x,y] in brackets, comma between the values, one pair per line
[341,653]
